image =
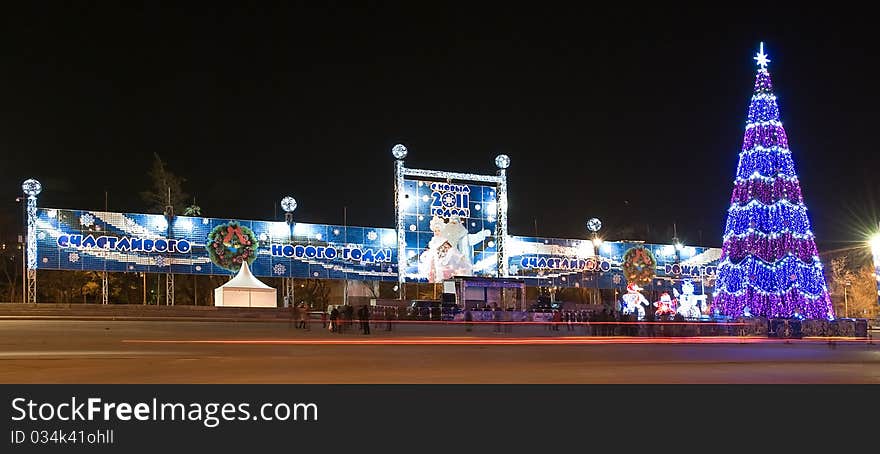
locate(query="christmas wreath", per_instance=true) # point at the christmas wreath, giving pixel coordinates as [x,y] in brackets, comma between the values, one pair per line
[230,244]
[639,265]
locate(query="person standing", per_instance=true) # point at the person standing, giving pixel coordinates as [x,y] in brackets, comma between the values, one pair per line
[294,315]
[389,315]
[334,320]
[304,316]
[364,316]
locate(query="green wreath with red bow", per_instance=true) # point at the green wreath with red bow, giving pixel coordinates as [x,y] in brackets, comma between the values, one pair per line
[231,244]
[639,265]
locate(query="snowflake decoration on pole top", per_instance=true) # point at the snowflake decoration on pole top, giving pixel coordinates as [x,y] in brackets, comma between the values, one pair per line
[594,224]
[399,151]
[288,204]
[502,161]
[761,57]
[31,187]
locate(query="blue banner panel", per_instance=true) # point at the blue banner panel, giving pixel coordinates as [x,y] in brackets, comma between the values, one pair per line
[557,262]
[127,242]
[450,230]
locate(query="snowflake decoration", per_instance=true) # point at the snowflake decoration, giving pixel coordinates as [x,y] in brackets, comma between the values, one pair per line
[425,198]
[315,274]
[490,218]
[318,236]
[421,218]
[371,235]
[87,219]
[73,257]
[336,231]
[160,261]
[41,235]
[198,267]
[477,207]
[616,279]
[473,224]
[490,244]
[279,269]
[448,199]
[45,260]
[412,227]
[264,236]
[205,221]
[390,270]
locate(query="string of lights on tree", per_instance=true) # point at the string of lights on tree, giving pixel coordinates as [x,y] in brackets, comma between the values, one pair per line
[769,262]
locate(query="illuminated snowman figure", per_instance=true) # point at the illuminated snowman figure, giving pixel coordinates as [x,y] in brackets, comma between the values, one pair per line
[689,304]
[634,302]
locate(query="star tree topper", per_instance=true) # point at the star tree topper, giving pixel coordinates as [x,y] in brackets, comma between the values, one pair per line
[761,57]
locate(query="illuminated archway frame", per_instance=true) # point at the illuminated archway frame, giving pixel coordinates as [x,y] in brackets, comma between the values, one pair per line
[401,172]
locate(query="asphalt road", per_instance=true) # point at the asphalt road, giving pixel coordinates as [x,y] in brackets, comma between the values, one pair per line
[71,351]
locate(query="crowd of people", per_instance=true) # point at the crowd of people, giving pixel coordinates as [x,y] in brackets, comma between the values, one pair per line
[606,322]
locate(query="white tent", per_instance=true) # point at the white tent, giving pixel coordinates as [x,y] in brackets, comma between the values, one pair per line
[245,290]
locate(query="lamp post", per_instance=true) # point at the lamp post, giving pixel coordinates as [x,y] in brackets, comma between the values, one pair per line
[31,188]
[288,204]
[399,152]
[594,225]
[875,251]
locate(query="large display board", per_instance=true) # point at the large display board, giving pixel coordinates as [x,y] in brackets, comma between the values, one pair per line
[130,242]
[450,230]
[559,262]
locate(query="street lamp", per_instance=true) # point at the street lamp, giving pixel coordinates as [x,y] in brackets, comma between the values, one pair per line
[875,251]
[594,225]
[31,188]
[288,204]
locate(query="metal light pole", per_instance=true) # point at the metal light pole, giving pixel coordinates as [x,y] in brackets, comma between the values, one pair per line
[502,161]
[875,250]
[594,225]
[846,284]
[288,204]
[31,189]
[399,152]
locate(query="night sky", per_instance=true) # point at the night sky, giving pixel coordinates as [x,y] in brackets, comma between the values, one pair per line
[629,115]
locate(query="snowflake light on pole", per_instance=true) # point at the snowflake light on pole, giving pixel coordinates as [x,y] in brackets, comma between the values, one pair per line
[769,263]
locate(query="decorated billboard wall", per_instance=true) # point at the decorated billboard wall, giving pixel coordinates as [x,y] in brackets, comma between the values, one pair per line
[126,242]
[555,262]
[450,230]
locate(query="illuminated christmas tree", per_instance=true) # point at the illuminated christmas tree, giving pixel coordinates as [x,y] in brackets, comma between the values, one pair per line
[769,263]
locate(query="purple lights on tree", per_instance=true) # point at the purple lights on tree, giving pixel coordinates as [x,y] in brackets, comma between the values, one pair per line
[769,262]
[766,136]
[744,191]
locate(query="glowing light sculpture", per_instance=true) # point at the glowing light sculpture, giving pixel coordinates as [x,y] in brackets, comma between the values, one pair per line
[769,263]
